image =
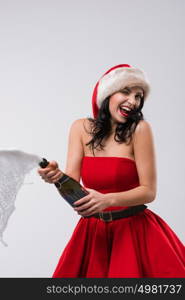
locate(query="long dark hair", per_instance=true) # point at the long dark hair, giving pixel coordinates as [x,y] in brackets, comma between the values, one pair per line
[101,126]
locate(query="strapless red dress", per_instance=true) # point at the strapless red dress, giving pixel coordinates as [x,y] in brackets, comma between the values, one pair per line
[135,247]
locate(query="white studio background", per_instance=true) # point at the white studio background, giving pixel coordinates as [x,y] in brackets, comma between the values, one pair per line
[52,52]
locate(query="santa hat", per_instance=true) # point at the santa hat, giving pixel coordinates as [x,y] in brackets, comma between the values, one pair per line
[116,79]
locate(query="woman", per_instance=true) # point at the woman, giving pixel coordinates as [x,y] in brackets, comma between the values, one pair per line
[117,235]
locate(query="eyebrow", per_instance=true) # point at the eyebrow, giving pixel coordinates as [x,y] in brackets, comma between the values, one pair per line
[127,88]
[138,93]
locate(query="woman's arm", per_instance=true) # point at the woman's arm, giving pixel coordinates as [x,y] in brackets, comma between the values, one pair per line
[75,151]
[52,173]
[146,166]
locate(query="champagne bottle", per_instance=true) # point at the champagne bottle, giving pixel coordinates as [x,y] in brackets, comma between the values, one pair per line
[70,189]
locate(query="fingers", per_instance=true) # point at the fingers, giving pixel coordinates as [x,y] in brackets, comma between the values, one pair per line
[87,212]
[82,200]
[51,173]
[44,171]
[56,177]
[53,164]
[83,207]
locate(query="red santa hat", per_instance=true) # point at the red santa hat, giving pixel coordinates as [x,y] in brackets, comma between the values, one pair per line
[116,79]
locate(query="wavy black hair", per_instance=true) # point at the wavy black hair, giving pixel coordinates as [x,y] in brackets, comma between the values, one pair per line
[101,126]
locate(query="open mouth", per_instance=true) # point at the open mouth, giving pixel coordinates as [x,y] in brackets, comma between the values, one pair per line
[124,112]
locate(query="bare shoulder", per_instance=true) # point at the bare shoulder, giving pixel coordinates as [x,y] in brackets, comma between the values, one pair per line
[75,151]
[77,124]
[143,140]
[81,125]
[83,128]
[143,127]
[143,132]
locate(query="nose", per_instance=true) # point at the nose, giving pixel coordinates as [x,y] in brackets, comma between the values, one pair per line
[131,100]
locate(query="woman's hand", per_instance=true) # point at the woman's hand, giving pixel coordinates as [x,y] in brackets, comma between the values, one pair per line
[93,203]
[51,173]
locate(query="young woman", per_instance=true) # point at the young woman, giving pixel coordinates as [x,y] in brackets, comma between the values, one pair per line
[113,153]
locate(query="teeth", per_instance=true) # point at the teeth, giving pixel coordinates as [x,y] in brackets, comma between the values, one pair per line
[125,108]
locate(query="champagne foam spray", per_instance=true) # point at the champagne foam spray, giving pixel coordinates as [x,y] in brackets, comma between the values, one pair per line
[14,165]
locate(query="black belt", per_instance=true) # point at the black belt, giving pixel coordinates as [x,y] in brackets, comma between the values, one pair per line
[108,216]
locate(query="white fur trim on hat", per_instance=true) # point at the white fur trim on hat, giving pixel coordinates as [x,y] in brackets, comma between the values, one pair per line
[118,79]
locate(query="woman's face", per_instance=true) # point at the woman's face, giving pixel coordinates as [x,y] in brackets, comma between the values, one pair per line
[122,102]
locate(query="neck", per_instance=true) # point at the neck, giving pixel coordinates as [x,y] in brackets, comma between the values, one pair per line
[113,126]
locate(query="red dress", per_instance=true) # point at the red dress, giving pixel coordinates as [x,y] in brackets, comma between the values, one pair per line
[138,246]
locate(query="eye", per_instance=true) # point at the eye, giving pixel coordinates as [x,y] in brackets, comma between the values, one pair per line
[138,96]
[125,91]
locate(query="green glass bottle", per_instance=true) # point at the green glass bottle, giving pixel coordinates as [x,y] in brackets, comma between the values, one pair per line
[70,189]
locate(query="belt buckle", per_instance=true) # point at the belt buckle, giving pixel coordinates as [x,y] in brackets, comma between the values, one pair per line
[101,215]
